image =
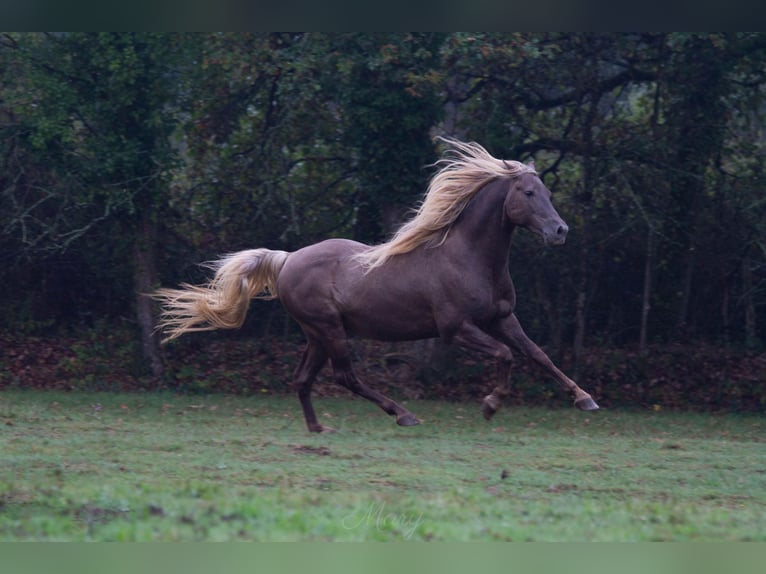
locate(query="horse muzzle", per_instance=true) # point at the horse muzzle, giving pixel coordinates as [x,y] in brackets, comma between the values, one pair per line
[556,234]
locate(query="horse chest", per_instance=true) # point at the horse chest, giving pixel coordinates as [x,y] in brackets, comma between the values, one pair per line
[503,309]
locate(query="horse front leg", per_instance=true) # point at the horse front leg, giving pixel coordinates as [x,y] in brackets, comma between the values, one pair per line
[509,329]
[472,337]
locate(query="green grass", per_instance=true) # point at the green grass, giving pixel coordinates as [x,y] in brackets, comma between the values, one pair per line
[100,466]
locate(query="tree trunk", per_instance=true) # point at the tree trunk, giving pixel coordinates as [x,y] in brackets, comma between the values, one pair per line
[725,321]
[682,327]
[647,292]
[451,122]
[581,309]
[145,280]
[551,312]
[747,294]
[579,336]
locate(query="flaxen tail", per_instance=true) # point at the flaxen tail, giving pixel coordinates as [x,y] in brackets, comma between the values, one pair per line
[223,302]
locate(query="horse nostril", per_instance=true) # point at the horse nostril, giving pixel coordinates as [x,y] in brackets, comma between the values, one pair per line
[562,230]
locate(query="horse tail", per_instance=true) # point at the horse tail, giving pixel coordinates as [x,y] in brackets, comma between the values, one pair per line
[222,303]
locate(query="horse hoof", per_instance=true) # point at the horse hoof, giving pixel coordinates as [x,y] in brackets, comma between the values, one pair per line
[407,420]
[488,411]
[322,429]
[586,404]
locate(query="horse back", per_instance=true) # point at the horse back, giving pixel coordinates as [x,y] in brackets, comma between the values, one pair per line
[324,287]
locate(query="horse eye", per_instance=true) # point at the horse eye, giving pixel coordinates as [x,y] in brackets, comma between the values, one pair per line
[529,193]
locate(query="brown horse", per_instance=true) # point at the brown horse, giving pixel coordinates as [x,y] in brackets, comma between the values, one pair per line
[444,274]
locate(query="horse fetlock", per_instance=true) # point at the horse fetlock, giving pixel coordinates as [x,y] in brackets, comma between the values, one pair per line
[490,405]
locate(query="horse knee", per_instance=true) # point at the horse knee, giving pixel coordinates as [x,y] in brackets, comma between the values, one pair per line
[504,357]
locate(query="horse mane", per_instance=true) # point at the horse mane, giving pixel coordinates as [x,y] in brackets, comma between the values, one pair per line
[465,168]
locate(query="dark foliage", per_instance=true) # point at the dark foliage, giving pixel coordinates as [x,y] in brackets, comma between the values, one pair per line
[673,377]
[127,159]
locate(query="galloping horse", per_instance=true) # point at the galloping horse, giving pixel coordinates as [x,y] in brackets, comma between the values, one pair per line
[443,274]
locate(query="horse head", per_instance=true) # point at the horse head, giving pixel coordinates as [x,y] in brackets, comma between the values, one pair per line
[528,204]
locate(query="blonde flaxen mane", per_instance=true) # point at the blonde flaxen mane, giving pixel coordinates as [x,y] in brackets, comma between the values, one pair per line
[464,170]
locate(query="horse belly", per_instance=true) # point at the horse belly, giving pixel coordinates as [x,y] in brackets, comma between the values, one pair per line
[385,329]
[388,316]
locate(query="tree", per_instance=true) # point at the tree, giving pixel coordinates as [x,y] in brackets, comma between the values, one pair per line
[388,94]
[96,110]
[263,164]
[194,145]
[635,131]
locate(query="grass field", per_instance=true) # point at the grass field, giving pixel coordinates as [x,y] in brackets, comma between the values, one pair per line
[165,467]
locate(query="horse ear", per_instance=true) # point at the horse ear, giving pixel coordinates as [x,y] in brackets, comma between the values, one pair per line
[531,164]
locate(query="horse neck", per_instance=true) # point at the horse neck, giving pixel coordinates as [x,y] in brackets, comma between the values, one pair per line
[484,228]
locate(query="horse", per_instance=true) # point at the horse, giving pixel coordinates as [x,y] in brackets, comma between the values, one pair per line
[444,273]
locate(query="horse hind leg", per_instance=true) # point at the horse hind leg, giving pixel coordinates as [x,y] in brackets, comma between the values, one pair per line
[345,376]
[314,358]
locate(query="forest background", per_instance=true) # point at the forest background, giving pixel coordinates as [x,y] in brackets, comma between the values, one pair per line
[126,159]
